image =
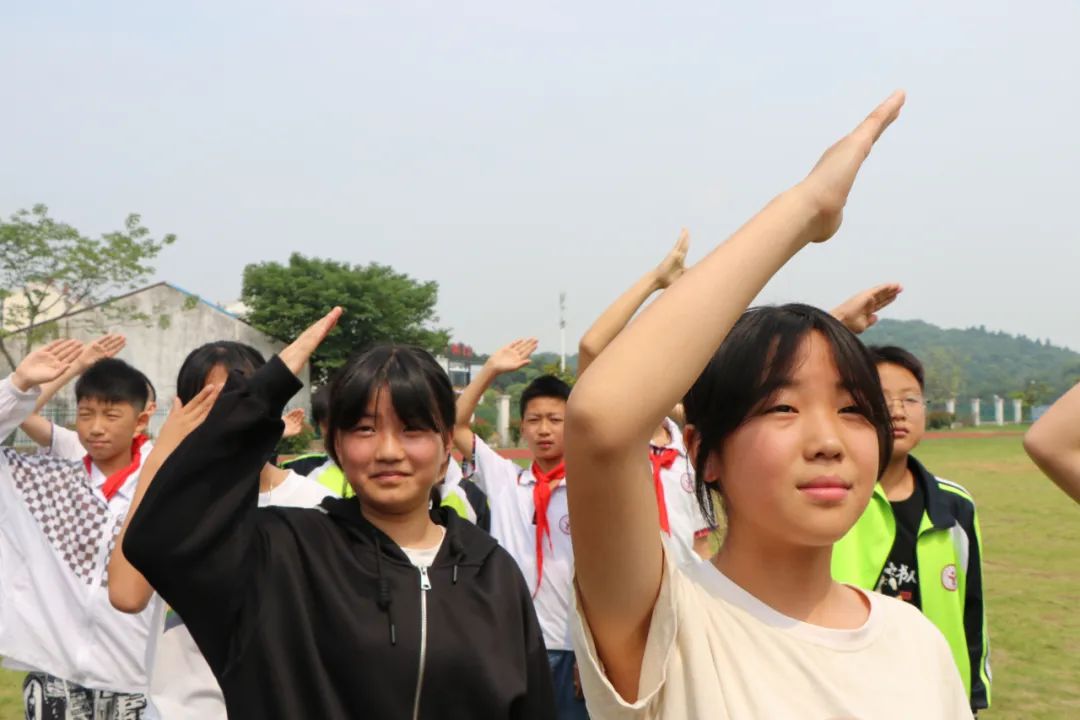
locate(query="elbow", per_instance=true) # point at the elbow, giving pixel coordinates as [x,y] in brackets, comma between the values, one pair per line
[127,600]
[591,427]
[587,351]
[1036,445]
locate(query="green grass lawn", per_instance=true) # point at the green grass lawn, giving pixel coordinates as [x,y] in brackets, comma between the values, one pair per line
[1031,533]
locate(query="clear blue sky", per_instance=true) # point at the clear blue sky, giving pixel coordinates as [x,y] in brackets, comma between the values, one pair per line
[511,152]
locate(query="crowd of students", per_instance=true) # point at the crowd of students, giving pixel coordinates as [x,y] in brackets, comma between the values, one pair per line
[192,576]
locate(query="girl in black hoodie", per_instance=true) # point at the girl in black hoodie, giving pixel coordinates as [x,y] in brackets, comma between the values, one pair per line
[371,607]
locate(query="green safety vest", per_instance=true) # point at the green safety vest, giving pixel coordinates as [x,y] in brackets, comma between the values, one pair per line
[948,557]
[457,499]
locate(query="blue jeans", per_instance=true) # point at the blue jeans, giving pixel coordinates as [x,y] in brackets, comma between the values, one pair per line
[567,704]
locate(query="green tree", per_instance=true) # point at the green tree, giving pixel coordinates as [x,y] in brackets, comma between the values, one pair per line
[553,368]
[48,268]
[381,305]
[944,373]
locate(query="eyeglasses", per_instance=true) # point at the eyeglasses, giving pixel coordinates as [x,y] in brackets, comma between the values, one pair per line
[907,403]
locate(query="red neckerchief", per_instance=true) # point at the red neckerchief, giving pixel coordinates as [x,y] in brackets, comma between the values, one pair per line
[545,485]
[115,481]
[662,459]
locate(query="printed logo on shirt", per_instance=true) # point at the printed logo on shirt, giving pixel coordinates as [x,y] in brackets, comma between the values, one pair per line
[948,578]
[898,581]
[564,524]
[687,482]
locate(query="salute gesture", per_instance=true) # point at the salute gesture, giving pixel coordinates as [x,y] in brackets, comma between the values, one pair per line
[106,346]
[859,312]
[829,183]
[45,364]
[673,266]
[296,355]
[512,357]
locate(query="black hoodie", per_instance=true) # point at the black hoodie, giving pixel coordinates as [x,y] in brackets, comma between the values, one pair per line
[315,613]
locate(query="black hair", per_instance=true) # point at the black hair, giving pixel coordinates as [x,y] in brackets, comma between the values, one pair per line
[200,361]
[893,355]
[756,359]
[150,389]
[112,380]
[419,388]
[320,405]
[545,386]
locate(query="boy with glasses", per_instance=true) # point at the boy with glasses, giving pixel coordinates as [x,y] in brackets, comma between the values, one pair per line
[919,538]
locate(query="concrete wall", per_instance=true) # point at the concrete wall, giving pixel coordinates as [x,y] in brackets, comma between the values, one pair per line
[175,323]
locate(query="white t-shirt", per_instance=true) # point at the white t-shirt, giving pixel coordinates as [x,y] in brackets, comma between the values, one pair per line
[684,514]
[715,651]
[424,557]
[510,496]
[182,686]
[295,491]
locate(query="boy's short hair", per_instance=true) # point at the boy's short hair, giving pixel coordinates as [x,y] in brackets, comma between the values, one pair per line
[893,355]
[150,389]
[545,386]
[112,380]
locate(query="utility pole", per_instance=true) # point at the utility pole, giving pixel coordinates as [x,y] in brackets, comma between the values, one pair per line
[562,332]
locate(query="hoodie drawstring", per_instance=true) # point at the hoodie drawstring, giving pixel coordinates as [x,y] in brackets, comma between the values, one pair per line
[384,599]
[457,552]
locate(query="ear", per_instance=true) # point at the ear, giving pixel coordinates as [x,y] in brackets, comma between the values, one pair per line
[142,421]
[711,472]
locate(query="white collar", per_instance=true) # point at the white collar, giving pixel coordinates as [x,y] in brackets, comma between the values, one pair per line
[676,438]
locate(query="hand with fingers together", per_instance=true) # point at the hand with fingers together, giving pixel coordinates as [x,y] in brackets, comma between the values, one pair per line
[828,185]
[859,312]
[46,364]
[183,419]
[106,346]
[296,355]
[512,357]
[294,422]
[673,266]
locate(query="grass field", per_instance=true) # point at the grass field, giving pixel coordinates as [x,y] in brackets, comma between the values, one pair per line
[1031,533]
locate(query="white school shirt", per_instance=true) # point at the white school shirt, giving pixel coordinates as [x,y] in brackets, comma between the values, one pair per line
[715,651]
[684,514]
[510,496]
[182,685]
[58,533]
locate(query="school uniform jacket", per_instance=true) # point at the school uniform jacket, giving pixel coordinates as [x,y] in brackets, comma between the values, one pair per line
[948,554]
[57,531]
[315,613]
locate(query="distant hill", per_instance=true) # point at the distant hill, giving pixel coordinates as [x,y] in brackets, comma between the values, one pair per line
[977,362]
[974,362]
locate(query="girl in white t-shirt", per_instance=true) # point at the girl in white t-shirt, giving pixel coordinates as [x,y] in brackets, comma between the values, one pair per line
[787,423]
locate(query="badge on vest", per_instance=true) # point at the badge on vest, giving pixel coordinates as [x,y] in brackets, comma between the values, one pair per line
[948,578]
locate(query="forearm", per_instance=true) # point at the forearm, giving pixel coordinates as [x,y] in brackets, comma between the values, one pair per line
[614,319]
[1054,443]
[49,390]
[17,401]
[38,429]
[467,403]
[677,335]
[129,591]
